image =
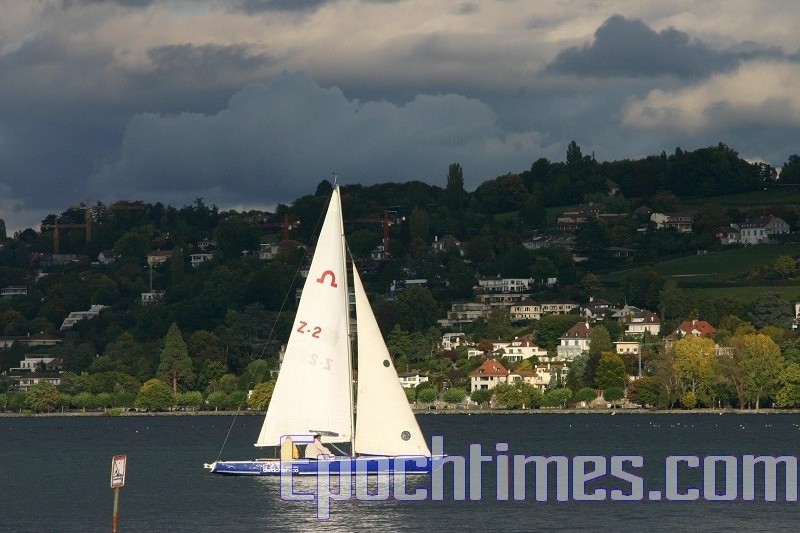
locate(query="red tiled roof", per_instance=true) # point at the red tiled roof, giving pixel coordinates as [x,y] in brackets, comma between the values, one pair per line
[490,367]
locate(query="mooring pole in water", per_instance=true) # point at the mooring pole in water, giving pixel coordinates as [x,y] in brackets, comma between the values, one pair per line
[115,518]
[118,464]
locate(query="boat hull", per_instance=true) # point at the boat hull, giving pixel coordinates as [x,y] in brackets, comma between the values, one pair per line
[370,465]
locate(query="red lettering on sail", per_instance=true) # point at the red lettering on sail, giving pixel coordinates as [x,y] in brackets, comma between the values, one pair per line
[325,274]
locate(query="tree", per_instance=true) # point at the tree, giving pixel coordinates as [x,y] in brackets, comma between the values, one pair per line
[785,266]
[417,308]
[42,397]
[454,193]
[481,396]
[771,309]
[610,372]
[155,395]
[556,397]
[586,394]
[217,399]
[261,395]
[175,362]
[508,396]
[614,394]
[695,365]
[427,395]
[454,395]
[644,391]
[762,363]
[789,393]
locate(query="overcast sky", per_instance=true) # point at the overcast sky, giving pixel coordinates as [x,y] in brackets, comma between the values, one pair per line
[250,103]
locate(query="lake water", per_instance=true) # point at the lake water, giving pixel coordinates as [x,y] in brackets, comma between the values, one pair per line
[55,474]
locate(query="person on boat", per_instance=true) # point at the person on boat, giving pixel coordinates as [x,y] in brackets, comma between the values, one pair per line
[316,448]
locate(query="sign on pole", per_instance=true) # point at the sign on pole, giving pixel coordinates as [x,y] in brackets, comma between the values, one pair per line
[118,471]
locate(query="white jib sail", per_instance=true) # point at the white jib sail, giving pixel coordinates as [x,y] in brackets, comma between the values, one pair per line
[314,387]
[385,424]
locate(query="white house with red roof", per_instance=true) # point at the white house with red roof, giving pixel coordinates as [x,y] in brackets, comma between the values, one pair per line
[695,328]
[488,375]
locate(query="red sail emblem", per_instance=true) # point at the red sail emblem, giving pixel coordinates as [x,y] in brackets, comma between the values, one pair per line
[325,274]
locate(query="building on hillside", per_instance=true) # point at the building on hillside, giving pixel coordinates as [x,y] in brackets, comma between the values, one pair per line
[695,328]
[636,325]
[678,221]
[76,316]
[451,341]
[574,342]
[627,347]
[528,309]
[410,380]
[159,257]
[759,230]
[464,313]
[196,259]
[506,285]
[13,290]
[523,348]
[488,375]
[37,339]
[36,369]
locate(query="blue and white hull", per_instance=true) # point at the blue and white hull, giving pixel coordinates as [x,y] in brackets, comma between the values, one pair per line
[370,465]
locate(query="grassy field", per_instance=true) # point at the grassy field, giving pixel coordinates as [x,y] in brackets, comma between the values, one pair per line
[750,199]
[717,266]
[713,268]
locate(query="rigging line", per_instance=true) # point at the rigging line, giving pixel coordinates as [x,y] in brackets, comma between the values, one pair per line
[294,279]
[275,323]
[222,448]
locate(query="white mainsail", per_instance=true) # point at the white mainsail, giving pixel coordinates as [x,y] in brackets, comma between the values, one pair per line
[385,424]
[314,387]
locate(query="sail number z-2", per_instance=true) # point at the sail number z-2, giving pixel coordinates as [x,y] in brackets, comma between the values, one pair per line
[324,365]
[315,331]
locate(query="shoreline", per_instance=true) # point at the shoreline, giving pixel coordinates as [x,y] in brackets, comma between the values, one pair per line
[434,412]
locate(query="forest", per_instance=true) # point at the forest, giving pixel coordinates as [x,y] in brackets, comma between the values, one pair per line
[233,312]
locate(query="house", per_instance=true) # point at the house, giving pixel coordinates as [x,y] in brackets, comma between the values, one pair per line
[574,342]
[197,259]
[505,285]
[541,376]
[106,257]
[410,380]
[759,230]
[446,243]
[464,313]
[596,310]
[151,297]
[451,341]
[680,222]
[726,235]
[627,347]
[530,310]
[76,316]
[159,257]
[501,299]
[205,244]
[523,348]
[36,369]
[638,324]
[696,328]
[488,375]
[14,290]
[37,339]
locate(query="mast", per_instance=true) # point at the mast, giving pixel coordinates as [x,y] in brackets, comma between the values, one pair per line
[343,243]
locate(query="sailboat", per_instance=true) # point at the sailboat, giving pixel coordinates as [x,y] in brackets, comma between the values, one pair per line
[313,394]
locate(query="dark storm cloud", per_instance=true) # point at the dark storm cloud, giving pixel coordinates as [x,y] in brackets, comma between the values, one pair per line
[67,4]
[274,142]
[206,62]
[253,7]
[630,48]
